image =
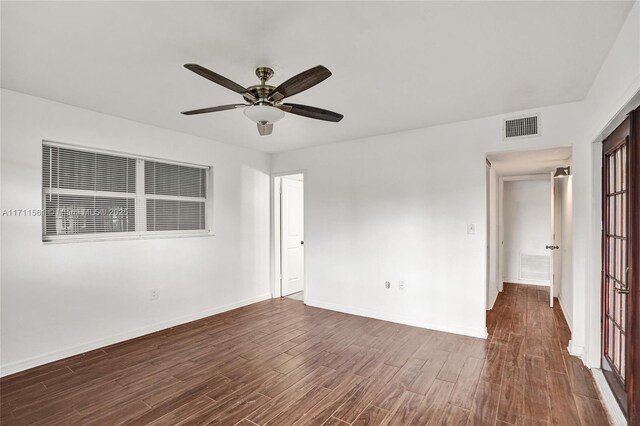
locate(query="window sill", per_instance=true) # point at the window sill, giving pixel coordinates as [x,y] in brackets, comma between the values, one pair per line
[135,237]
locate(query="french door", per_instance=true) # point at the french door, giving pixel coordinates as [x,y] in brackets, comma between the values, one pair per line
[619,266]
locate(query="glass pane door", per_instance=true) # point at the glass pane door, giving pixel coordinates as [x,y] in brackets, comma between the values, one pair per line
[615,288]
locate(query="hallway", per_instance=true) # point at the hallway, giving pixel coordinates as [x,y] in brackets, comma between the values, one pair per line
[541,382]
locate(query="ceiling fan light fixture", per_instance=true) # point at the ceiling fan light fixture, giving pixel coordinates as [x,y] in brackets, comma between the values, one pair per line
[263,113]
[562,172]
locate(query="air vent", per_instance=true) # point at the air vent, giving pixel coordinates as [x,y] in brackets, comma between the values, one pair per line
[521,127]
[534,267]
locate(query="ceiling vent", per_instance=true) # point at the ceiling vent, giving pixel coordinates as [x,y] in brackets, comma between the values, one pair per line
[521,127]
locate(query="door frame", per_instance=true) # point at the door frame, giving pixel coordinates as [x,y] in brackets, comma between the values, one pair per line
[489,201]
[633,276]
[590,350]
[276,246]
[623,395]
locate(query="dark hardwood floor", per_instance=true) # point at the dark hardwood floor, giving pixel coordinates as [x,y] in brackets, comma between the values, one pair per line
[281,363]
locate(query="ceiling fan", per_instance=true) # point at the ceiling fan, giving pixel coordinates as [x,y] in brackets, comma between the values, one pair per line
[265,105]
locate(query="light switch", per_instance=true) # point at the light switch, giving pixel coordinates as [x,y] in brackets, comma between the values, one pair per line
[471,228]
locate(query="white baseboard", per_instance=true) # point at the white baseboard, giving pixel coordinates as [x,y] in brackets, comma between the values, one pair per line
[493,302]
[18,366]
[575,350]
[525,282]
[610,404]
[479,333]
[564,313]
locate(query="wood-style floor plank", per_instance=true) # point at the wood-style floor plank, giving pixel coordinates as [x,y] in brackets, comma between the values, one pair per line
[485,404]
[404,410]
[371,416]
[591,411]
[433,405]
[282,363]
[454,416]
[563,405]
[465,387]
[511,402]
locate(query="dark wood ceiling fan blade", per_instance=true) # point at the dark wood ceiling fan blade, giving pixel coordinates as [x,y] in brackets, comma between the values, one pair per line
[218,79]
[311,112]
[303,81]
[213,109]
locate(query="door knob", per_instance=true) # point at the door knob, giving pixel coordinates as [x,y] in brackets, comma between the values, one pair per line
[622,290]
[553,247]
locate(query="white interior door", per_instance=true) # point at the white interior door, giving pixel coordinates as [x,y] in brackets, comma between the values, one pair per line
[558,234]
[292,240]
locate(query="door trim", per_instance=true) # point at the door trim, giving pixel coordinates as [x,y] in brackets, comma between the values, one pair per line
[633,276]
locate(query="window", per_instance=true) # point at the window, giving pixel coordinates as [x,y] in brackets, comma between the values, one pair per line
[89,194]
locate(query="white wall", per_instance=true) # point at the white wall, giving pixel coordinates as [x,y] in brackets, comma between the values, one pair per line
[396,207]
[618,79]
[613,90]
[526,225]
[62,299]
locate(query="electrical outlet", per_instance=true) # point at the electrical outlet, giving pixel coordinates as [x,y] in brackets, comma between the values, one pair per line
[401,285]
[471,228]
[387,284]
[155,294]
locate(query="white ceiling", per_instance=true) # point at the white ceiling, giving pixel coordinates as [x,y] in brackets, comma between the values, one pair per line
[517,163]
[395,65]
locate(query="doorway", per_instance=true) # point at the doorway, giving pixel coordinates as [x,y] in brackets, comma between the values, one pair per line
[529,215]
[289,232]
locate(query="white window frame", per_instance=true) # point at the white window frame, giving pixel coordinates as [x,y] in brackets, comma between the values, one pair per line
[140,201]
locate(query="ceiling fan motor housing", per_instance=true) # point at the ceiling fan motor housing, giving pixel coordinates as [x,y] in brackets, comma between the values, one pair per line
[260,92]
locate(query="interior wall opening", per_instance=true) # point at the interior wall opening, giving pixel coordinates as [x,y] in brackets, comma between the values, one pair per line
[529,241]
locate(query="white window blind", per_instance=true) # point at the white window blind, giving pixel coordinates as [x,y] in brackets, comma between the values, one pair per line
[87,193]
[175,196]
